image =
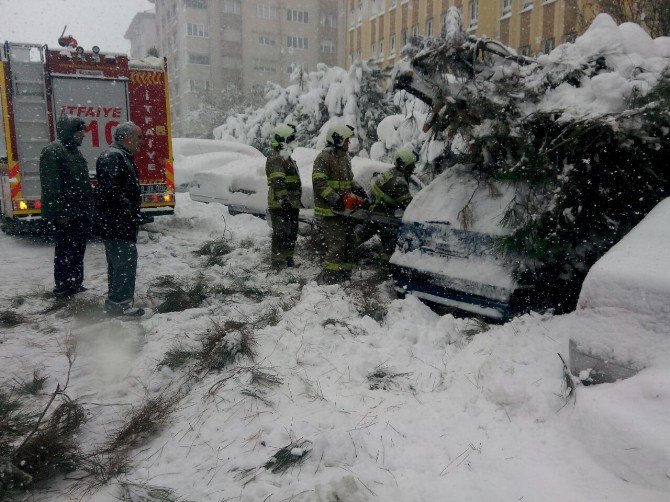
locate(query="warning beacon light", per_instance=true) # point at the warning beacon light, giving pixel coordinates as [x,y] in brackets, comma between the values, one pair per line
[68,41]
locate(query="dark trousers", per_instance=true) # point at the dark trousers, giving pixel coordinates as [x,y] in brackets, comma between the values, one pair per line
[388,234]
[284,235]
[121,272]
[69,255]
[340,243]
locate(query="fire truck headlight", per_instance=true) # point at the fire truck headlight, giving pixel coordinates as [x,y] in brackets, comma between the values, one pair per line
[23,205]
[167,198]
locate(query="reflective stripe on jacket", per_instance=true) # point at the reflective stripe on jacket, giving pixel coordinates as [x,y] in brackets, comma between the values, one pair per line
[391,192]
[331,177]
[283,181]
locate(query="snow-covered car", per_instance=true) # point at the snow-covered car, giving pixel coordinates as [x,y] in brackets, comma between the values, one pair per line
[446,254]
[623,312]
[242,186]
[192,156]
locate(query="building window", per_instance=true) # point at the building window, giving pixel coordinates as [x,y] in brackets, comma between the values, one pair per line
[429,28]
[267,40]
[327,46]
[415,31]
[197,30]
[526,4]
[392,42]
[297,16]
[265,11]
[328,21]
[198,58]
[291,67]
[392,4]
[351,19]
[373,50]
[548,45]
[199,85]
[524,50]
[404,37]
[231,6]
[195,4]
[264,66]
[373,8]
[360,12]
[381,48]
[296,42]
[506,7]
[473,10]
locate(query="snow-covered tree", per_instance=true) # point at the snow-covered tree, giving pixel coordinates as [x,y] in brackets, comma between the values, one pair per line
[581,135]
[314,102]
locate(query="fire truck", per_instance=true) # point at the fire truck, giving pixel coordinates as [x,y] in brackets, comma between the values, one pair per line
[38,85]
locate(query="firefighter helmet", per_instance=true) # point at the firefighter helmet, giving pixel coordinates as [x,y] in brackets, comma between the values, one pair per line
[337,134]
[404,157]
[282,134]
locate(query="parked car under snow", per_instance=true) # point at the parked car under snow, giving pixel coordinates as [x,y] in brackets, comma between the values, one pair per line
[623,313]
[242,185]
[192,156]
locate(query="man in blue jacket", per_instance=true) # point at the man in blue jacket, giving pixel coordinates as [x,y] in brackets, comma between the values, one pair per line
[118,217]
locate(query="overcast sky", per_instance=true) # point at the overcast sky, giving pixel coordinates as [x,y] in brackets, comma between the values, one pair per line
[91,22]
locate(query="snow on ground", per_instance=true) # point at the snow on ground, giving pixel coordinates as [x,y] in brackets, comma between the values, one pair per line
[466,417]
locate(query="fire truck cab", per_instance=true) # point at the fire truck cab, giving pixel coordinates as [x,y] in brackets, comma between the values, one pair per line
[38,85]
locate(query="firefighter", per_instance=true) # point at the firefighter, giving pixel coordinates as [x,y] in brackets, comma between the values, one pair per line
[67,202]
[334,192]
[284,192]
[390,193]
[118,217]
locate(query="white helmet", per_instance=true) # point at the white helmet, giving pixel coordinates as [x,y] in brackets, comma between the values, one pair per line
[337,134]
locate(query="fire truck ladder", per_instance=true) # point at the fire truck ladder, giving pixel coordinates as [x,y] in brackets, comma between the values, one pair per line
[31,124]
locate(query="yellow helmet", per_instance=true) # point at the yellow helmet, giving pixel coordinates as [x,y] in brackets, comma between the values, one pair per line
[404,157]
[282,133]
[337,134]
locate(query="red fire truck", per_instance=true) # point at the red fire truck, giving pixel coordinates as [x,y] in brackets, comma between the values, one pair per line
[38,85]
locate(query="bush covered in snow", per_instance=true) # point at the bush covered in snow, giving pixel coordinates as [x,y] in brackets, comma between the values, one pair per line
[314,102]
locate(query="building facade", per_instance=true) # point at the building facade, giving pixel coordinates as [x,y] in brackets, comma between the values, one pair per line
[142,34]
[378,29]
[215,45]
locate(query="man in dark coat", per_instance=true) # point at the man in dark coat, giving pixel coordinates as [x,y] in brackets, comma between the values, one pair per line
[118,217]
[67,203]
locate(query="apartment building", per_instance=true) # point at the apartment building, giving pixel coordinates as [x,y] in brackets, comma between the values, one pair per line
[212,45]
[142,34]
[378,29]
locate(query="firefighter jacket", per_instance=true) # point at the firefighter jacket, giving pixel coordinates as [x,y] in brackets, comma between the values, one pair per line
[332,177]
[119,195]
[390,192]
[66,189]
[283,181]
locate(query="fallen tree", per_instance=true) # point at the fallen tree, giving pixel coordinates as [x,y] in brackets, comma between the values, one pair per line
[582,136]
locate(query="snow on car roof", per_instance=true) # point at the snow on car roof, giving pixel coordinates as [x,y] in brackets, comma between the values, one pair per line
[623,307]
[243,182]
